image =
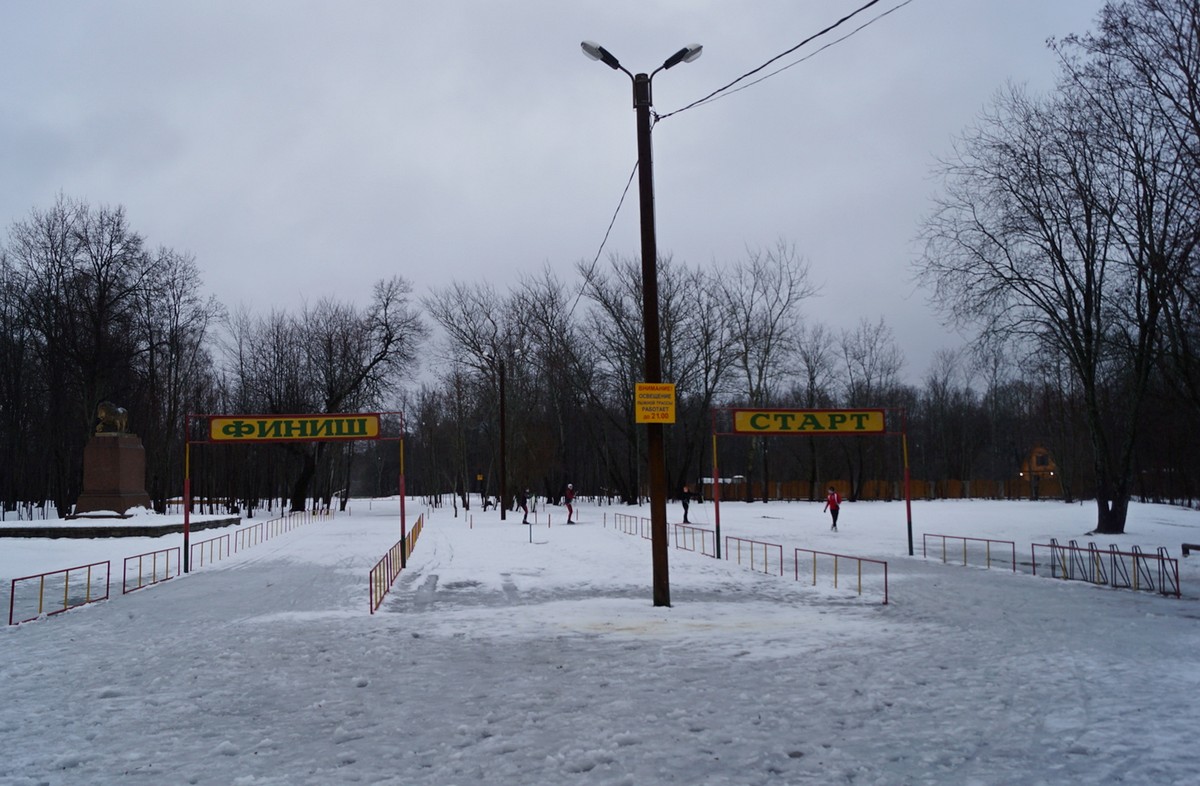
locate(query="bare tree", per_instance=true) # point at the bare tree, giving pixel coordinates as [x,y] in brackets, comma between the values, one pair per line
[699,347]
[1062,223]
[762,297]
[78,273]
[951,405]
[485,331]
[813,387]
[20,396]
[333,357]
[556,390]
[479,323]
[1146,54]
[613,329]
[175,321]
[354,357]
[871,364]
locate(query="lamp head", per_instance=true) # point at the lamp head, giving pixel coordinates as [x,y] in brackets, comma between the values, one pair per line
[597,52]
[685,55]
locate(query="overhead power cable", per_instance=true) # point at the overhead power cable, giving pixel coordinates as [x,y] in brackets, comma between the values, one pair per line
[604,242]
[722,92]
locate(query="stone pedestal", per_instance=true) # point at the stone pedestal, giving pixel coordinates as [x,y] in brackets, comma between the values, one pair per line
[114,475]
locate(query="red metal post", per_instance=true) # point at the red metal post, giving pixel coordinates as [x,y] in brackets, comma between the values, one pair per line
[187,492]
[403,534]
[907,481]
[716,484]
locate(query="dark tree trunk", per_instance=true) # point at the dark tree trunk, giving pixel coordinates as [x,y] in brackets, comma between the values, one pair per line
[1111,515]
[303,482]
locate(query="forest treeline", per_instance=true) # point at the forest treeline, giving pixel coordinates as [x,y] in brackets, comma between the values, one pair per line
[1064,238]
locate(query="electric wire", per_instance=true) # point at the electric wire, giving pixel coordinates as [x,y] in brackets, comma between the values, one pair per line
[604,242]
[781,69]
[721,90]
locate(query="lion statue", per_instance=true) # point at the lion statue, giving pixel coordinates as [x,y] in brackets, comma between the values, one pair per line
[112,419]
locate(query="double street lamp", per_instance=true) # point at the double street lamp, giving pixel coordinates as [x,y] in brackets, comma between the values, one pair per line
[655,455]
[503,447]
[496,361]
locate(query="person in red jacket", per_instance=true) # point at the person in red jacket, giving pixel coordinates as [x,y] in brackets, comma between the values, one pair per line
[832,503]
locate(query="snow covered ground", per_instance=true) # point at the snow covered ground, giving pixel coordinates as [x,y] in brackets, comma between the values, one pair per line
[495,660]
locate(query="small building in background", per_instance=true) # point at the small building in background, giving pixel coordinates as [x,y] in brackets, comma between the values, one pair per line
[1039,475]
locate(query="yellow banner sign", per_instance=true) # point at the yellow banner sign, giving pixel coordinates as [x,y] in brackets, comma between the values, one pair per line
[292,428]
[654,402]
[808,421]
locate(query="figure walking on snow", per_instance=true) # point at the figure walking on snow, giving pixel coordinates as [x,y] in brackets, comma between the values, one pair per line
[685,498]
[570,495]
[832,503]
[523,504]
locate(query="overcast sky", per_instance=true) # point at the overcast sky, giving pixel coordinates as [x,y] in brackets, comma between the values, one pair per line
[302,149]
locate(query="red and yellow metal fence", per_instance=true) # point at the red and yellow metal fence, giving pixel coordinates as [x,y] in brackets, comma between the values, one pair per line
[54,592]
[1001,547]
[384,573]
[211,550]
[221,546]
[834,562]
[757,555]
[149,568]
[57,591]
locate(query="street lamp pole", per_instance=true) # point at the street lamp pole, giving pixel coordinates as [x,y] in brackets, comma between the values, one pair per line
[655,454]
[503,449]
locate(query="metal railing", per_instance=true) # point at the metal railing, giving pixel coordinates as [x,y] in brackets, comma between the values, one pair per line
[836,560]
[152,568]
[632,525]
[987,547]
[383,574]
[83,581]
[210,550]
[221,546]
[689,538]
[757,554]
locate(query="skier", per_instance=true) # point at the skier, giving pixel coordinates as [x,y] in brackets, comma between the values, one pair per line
[832,503]
[523,504]
[570,495]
